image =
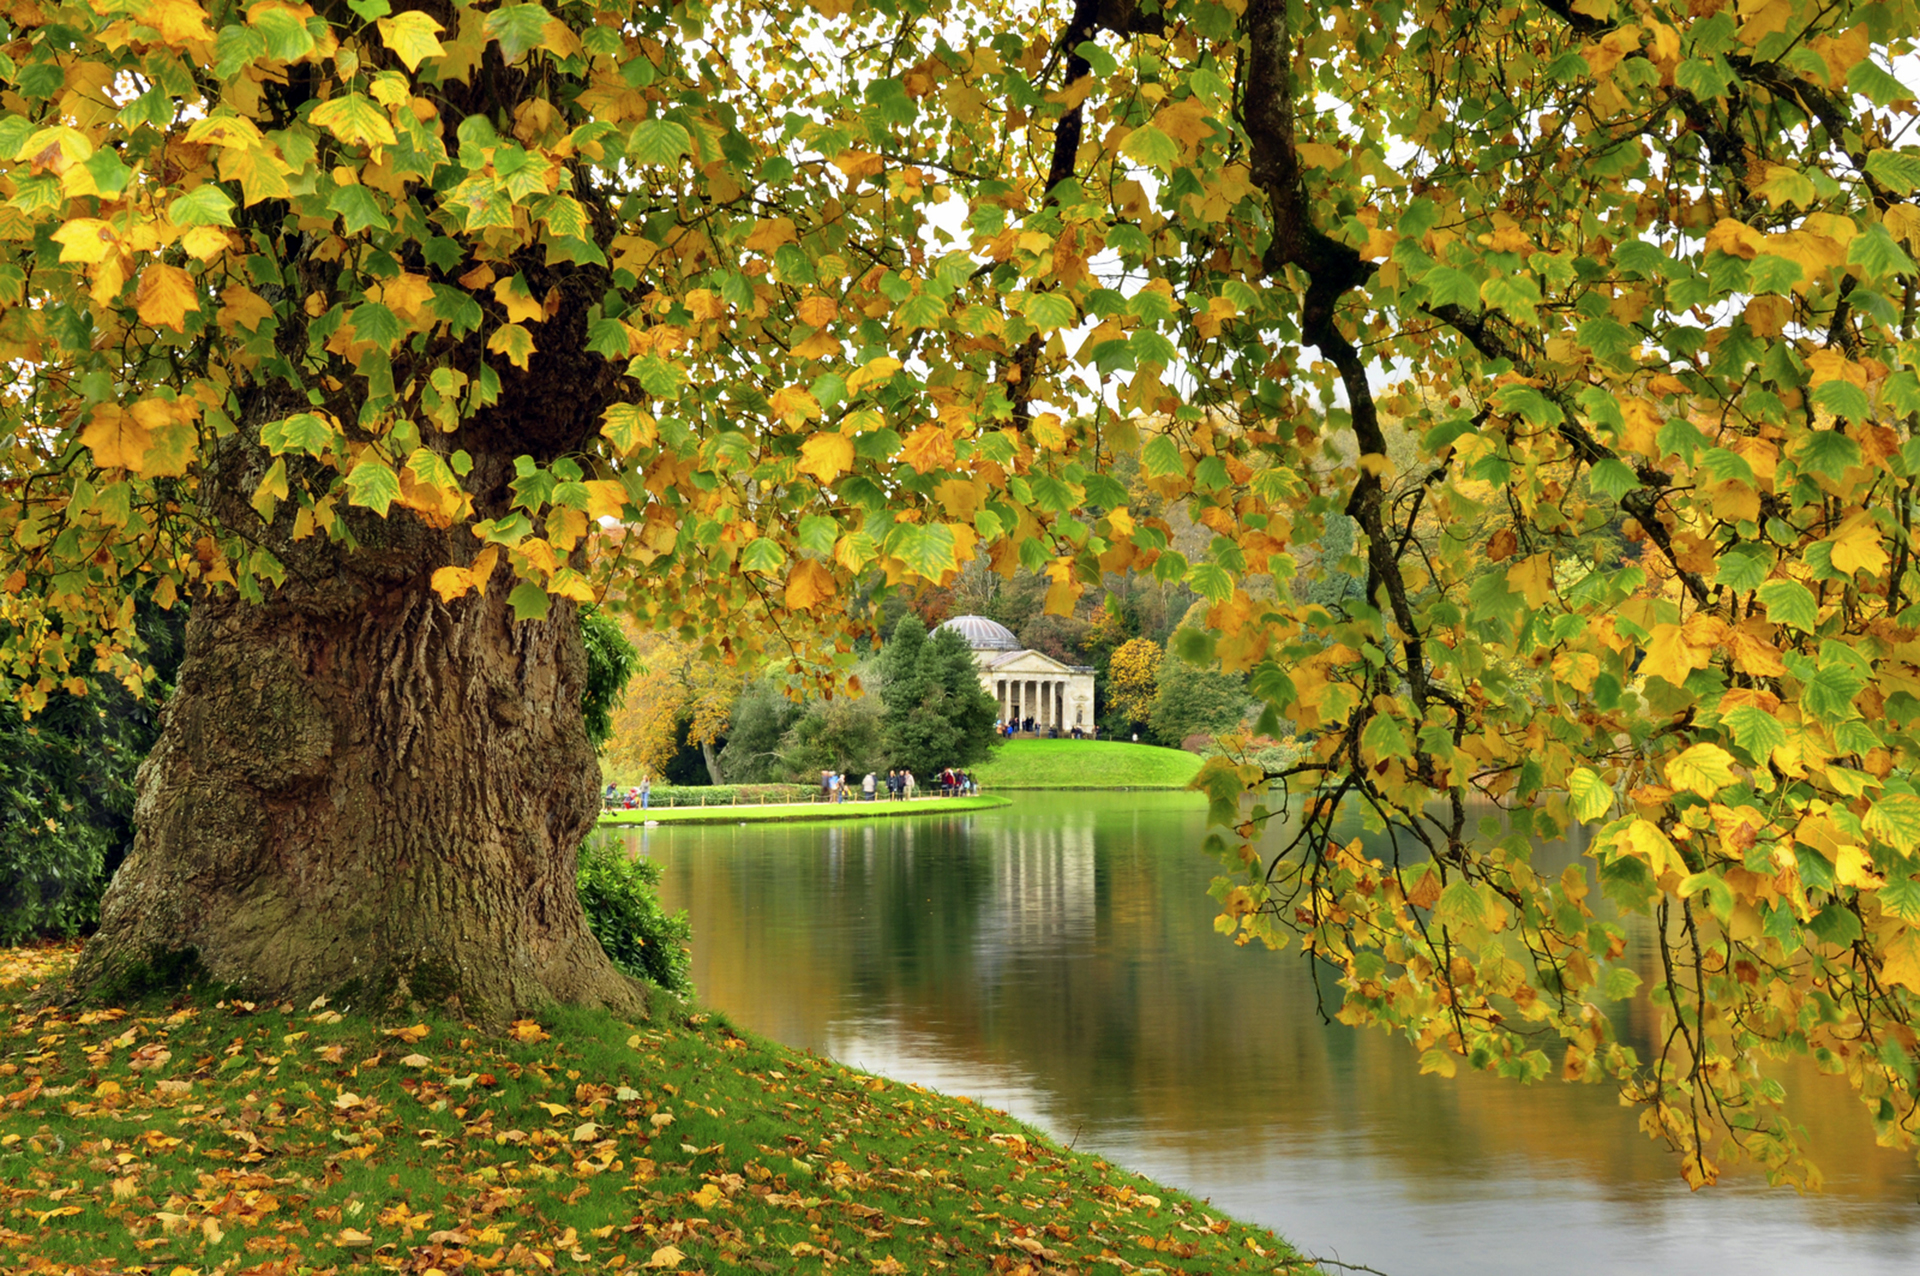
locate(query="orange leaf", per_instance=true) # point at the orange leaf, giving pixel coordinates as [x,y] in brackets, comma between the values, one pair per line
[164,296]
[808,584]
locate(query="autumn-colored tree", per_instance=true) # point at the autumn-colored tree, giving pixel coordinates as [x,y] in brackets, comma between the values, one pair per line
[352,325]
[678,693]
[1133,676]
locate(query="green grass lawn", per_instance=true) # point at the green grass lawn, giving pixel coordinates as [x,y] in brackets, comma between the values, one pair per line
[789,811]
[1086,764]
[195,1137]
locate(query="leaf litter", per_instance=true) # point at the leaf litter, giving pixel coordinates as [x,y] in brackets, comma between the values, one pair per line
[197,1138]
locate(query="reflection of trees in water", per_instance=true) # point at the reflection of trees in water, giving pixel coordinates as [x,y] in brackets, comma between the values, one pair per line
[1070,938]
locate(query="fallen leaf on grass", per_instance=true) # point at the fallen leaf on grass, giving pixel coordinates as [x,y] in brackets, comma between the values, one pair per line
[527,1031]
[666,1256]
[415,1061]
[352,1237]
[418,1032]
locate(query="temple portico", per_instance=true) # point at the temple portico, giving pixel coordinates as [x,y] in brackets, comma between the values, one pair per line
[1027,684]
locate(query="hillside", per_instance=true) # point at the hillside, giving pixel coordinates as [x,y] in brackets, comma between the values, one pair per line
[1086,764]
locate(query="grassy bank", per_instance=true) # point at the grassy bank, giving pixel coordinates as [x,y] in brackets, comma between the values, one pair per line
[790,811]
[1087,764]
[190,1138]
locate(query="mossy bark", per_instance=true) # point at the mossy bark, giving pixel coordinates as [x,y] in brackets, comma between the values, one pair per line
[382,804]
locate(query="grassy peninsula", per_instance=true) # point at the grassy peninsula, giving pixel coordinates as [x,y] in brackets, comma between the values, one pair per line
[1086,764]
[783,812]
[199,1136]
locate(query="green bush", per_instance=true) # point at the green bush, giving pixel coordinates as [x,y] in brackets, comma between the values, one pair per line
[622,903]
[678,795]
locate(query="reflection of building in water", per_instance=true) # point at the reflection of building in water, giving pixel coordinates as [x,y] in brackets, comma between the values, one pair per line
[1042,899]
[1027,684]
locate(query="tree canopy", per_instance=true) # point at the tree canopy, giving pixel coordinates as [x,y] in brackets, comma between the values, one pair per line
[733,316]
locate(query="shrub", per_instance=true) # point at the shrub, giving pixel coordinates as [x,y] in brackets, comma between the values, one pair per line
[678,795]
[622,903]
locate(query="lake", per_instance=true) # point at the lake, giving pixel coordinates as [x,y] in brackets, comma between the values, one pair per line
[1056,959]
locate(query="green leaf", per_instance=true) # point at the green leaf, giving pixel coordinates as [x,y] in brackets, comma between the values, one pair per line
[286,35]
[1874,251]
[762,555]
[1790,603]
[1046,310]
[659,142]
[1843,399]
[1449,287]
[1870,81]
[817,535]
[922,310]
[373,485]
[1211,581]
[374,322]
[1161,458]
[1828,452]
[1149,146]
[529,601]
[518,27]
[1757,732]
[358,209]
[1592,796]
[204,205]
[1743,568]
[1898,171]
[927,550]
[301,432]
[1836,924]
[1383,737]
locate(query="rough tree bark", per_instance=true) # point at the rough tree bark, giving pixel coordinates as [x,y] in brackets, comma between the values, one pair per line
[364,792]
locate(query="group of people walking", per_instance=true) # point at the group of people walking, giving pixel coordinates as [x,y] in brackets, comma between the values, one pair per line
[899,785]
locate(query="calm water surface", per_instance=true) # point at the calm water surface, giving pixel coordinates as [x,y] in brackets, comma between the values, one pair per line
[1056,959]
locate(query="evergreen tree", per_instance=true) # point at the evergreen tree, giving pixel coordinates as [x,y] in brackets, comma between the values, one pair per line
[938,715]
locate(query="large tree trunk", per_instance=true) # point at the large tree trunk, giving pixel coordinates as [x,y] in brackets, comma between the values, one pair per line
[362,791]
[381,804]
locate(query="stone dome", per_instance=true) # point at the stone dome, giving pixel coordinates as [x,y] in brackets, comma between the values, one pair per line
[983,634]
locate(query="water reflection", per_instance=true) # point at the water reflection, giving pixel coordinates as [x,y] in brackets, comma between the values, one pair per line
[1056,959]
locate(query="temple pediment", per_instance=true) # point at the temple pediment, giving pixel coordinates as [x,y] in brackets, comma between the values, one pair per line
[1027,662]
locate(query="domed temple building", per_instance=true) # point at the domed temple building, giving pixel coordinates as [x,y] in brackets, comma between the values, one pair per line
[1027,684]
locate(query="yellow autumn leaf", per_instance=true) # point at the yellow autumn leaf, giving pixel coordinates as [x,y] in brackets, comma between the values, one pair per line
[1854,867]
[667,1256]
[793,404]
[1645,839]
[1735,238]
[117,440]
[204,242]
[85,240]
[1532,577]
[411,37]
[177,21]
[520,305]
[164,296]
[514,341]
[872,372]
[1671,656]
[1857,546]
[708,1196]
[826,456]
[770,233]
[451,582]
[817,310]
[1704,769]
[355,119]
